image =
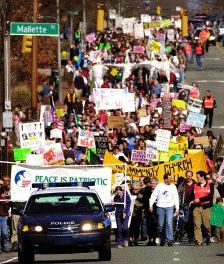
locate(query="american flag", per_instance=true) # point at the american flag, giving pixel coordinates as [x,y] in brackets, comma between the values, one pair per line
[25,183]
[56,119]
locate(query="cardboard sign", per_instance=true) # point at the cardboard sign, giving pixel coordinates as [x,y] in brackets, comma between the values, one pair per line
[200,140]
[115,122]
[144,121]
[151,149]
[86,139]
[196,120]
[184,127]
[163,139]
[139,156]
[53,154]
[194,105]
[218,148]
[20,154]
[167,113]
[138,49]
[32,135]
[101,145]
[23,177]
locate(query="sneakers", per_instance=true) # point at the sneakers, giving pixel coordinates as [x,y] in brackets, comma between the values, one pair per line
[170,243]
[197,244]
[119,246]
[125,243]
[212,239]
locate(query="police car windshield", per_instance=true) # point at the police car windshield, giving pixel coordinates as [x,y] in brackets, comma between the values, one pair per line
[63,203]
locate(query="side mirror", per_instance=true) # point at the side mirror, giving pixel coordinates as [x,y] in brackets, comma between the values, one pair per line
[17,211]
[109,208]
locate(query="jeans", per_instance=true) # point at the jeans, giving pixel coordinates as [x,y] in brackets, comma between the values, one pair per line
[199,60]
[189,58]
[188,220]
[181,80]
[143,227]
[122,229]
[3,232]
[165,223]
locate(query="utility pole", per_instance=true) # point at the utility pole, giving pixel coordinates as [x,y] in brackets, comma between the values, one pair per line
[34,65]
[59,54]
[71,25]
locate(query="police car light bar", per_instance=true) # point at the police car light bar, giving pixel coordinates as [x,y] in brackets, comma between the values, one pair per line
[62,184]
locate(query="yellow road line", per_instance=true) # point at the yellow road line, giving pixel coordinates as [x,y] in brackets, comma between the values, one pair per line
[217,45]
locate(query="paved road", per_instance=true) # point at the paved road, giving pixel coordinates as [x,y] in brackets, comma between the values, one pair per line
[142,254]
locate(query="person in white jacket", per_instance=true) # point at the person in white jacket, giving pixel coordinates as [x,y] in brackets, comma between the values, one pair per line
[167,198]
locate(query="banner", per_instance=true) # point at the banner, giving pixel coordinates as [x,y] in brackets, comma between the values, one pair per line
[22,178]
[32,135]
[101,145]
[178,147]
[86,139]
[177,168]
[115,121]
[163,139]
[139,156]
[167,113]
[218,148]
[138,49]
[196,120]
[151,149]
[194,105]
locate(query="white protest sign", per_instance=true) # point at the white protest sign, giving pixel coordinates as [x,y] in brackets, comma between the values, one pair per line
[32,135]
[138,30]
[34,159]
[22,178]
[144,121]
[86,139]
[185,86]
[163,139]
[53,154]
[151,149]
[194,105]
[127,25]
[129,103]
[145,18]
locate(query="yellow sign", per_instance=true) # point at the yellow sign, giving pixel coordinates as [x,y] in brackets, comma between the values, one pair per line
[177,168]
[178,147]
[155,46]
[162,156]
[59,112]
[114,72]
[179,104]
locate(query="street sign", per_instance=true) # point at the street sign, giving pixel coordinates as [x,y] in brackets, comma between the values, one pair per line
[34,29]
[72,12]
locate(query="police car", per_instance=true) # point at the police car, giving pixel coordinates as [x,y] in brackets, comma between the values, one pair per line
[63,220]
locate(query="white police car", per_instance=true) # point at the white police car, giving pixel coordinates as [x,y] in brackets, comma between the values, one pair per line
[63,220]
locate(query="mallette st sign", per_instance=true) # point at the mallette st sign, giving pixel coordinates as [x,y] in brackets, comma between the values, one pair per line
[34,29]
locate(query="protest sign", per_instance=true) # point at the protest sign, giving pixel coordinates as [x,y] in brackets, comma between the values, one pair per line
[114,72]
[177,168]
[151,149]
[20,154]
[200,140]
[138,49]
[153,104]
[101,145]
[178,147]
[90,37]
[162,156]
[173,96]
[86,139]
[163,139]
[53,154]
[138,31]
[139,156]
[115,121]
[184,127]
[217,215]
[144,121]
[194,105]
[127,26]
[35,159]
[129,103]
[23,176]
[142,112]
[196,120]
[218,148]
[179,104]
[32,135]
[59,112]
[221,172]
[167,113]
[56,133]
[185,86]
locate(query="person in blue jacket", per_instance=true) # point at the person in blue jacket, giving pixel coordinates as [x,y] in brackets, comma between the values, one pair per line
[122,216]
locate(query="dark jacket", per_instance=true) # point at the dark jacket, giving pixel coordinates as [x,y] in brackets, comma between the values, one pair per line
[181,192]
[4,207]
[120,207]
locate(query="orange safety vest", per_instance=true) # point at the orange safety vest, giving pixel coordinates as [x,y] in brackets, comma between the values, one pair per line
[198,50]
[194,92]
[203,35]
[209,103]
[71,99]
[187,49]
[200,191]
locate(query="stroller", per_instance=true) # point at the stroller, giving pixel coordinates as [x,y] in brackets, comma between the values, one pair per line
[178,226]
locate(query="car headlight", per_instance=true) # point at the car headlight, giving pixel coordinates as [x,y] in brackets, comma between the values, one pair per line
[36,228]
[212,38]
[196,38]
[91,227]
[25,228]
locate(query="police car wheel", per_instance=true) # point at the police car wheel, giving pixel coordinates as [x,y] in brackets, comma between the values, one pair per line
[105,251]
[25,257]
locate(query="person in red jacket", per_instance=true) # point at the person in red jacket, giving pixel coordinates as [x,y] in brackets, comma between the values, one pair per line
[105,83]
[199,50]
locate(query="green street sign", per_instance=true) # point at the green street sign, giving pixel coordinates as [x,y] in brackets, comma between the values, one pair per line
[73,12]
[34,29]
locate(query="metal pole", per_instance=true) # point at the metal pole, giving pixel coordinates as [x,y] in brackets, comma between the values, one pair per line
[84,18]
[59,54]
[71,36]
[34,66]
[7,67]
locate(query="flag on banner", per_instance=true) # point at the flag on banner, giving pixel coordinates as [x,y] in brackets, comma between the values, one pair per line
[94,159]
[78,123]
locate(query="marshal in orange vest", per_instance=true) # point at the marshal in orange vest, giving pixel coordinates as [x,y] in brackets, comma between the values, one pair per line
[209,102]
[201,192]
[71,98]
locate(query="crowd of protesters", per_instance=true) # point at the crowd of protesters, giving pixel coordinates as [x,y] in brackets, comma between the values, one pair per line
[147,219]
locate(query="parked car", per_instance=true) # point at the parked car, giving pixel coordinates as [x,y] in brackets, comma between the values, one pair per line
[220,31]
[212,38]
